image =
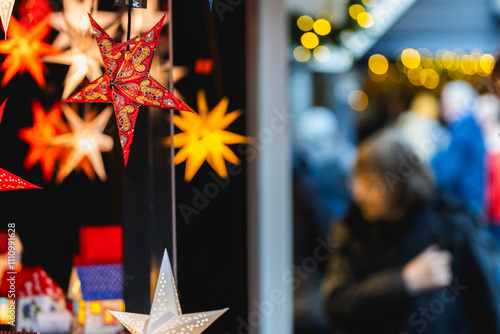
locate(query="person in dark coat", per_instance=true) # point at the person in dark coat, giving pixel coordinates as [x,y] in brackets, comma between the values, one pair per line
[408,259]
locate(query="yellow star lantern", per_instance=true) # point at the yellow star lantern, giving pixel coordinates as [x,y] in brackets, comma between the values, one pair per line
[204,138]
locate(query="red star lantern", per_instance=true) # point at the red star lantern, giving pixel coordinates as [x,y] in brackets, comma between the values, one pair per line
[9,181]
[127,82]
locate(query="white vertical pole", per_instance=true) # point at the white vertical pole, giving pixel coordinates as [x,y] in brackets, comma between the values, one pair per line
[270,173]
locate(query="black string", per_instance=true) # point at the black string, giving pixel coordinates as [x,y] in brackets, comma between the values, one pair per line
[129,24]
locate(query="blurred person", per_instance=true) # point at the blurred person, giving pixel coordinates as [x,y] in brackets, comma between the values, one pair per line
[408,259]
[460,169]
[323,161]
[488,118]
[421,126]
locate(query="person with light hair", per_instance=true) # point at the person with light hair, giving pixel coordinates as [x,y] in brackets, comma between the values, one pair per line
[460,169]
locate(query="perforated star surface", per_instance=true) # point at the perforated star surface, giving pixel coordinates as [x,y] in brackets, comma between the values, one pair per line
[9,181]
[127,83]
[166,315]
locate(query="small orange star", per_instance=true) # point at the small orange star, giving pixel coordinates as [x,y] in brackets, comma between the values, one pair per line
[24,47]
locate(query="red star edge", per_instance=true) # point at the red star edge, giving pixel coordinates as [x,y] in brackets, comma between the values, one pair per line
[127,82]
[9,181]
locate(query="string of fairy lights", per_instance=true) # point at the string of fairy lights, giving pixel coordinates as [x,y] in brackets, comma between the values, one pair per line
[319,39]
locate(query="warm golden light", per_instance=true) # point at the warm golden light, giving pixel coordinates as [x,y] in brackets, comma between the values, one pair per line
[310,40]
[355,10]
[468,65]
[95,307]
[410,58]
[415,76]
[365,20]
[322,27]
[302,53]
[486,62]
[358,100]
[305,23]
[322,53]
[429,78]
[378,64]
[450,60]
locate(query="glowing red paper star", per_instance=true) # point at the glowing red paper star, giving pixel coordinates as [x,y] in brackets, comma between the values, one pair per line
[24,49]
[9,181]
[127,83]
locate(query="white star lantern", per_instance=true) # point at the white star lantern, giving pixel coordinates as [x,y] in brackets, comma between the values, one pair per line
[86,140]
[166,316]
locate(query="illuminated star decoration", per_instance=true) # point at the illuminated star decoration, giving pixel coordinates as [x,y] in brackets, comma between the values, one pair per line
[127,83]
[75,32]
[204,138]
[45,127]
[166,315]
[86,140]
[24,49]
[210,4]
[9,181]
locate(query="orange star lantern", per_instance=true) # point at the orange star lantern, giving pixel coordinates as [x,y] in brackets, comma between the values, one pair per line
[204,138]
[24,48]
[127,83]
[45,127]
[9,181]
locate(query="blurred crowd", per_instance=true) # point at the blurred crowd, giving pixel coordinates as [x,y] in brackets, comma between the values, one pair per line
[412,216]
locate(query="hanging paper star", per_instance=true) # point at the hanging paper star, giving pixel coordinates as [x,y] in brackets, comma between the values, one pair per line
[9,181]
[127,83]
[75,32]
[6,7]
[74,15]
[24,49]
[45,127]
[83,60]
[204,138]
[166,314]
[86,140]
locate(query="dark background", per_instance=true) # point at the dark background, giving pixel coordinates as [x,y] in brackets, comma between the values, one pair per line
[212,245]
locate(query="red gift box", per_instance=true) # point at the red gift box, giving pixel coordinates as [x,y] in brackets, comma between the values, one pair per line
[100,245]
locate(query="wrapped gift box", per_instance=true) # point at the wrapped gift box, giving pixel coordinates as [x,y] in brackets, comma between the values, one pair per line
[96,282]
